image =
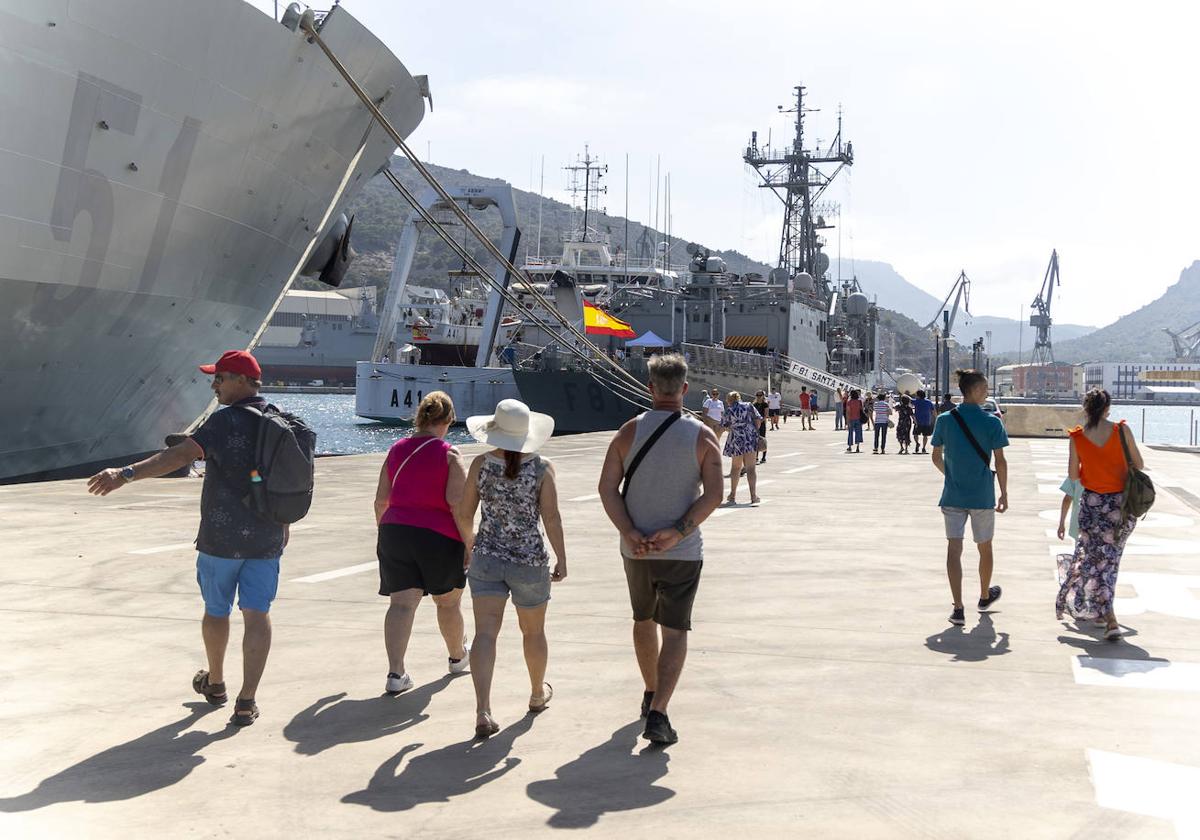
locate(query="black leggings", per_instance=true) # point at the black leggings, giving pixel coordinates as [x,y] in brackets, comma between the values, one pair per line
[881,435]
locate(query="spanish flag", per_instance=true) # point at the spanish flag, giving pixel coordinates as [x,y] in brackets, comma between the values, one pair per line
[598,322]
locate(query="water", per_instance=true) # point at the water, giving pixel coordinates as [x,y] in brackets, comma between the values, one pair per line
[340,432]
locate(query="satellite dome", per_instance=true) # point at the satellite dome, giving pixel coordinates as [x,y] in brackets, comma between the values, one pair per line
[779,276]
[805,282]
[909,383]
[821,263]
[857,305]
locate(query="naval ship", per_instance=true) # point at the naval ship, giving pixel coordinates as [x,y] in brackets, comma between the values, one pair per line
[168,171]
[796,327]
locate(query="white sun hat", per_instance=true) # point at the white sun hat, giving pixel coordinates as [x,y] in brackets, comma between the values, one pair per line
[513,427]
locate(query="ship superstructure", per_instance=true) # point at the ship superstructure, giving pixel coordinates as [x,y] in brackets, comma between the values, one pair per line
[164,183]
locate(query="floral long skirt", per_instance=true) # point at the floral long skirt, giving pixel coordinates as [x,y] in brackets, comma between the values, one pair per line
[1088,578]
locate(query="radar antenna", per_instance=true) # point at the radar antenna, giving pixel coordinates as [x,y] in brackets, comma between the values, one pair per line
[592,171]
[1039,317]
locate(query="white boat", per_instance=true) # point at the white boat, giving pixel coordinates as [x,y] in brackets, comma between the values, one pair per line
[168,169]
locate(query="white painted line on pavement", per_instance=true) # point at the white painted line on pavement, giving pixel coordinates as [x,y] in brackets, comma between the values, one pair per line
[1166,594]
[800,469]
[586,498]
[1156,674]
[787,455]
[337,573]
[1153,519]
[1146,786]
[1050,489]
[1050,476]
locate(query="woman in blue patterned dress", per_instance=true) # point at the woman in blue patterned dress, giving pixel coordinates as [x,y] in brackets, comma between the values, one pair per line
[1097,462]
[507,556]
[743,421]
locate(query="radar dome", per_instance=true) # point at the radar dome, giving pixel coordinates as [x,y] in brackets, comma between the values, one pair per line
[715,265]
[779,276]
[857,305]
[821,263]
[909,383]
[805,282]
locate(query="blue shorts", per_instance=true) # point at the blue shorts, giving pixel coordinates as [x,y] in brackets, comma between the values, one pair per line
[254,581]
[529,585]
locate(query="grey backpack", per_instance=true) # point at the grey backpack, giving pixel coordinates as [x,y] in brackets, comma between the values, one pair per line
[281,485]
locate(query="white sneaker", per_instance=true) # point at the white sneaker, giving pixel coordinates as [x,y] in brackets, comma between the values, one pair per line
[462,664]
[398,683]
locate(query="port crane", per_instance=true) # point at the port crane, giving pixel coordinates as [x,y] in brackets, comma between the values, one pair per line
[961,292]
[1039,316]
[1187,343]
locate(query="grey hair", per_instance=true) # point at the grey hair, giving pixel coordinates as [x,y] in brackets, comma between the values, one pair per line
[668,372]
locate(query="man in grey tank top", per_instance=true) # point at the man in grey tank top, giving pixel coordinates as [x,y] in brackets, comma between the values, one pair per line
[674,487]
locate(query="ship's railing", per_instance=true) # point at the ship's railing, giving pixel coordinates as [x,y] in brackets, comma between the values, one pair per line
[702,358]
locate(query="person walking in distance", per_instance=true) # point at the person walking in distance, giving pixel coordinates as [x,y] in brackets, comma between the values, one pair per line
[882,412]
[868,409]
[965,440]
[419,547]
[923,414]
[856,412]
[774,407]
[904,423]
[743,421]
[661,479]
[839,410]
[1099,462]
[514,485]
[238,550]
[714,412]
[762,406]
[805,408]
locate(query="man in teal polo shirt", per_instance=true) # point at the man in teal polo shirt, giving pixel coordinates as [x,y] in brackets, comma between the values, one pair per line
[964,442]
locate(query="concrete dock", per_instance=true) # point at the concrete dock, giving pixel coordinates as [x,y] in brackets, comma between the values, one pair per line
[825,694]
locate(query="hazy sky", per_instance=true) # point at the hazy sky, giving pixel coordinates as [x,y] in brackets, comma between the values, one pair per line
[984,134]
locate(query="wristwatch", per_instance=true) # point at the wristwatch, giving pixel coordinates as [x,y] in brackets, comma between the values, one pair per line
[127,473]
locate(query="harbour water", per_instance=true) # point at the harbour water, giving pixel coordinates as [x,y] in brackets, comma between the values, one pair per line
[340,432]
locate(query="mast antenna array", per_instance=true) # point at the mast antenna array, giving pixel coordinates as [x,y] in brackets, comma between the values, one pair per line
[1039,317]
[592,171]
[796,176]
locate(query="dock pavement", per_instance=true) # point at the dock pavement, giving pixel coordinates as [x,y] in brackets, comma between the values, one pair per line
[825,694]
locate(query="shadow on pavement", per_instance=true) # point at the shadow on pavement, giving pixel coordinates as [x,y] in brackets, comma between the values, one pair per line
[1098,647]
[442,774]
[334,720]
[606,778]
[151,762]
[979,644]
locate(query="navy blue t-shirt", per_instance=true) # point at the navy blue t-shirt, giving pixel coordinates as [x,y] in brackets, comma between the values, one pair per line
[923,409]
[228,528]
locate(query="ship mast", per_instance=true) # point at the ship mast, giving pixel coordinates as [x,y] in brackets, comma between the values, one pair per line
[592,171]
[796,176]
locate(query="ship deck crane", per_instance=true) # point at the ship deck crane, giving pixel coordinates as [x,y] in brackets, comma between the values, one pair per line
[1039,316]
[961,292]
[1187,343]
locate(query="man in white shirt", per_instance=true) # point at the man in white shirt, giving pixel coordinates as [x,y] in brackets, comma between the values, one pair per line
[714,412]
[774,403]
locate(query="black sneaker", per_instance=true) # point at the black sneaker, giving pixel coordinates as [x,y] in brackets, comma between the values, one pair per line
[993,597]
[957,617]
[658,729]
[647,699]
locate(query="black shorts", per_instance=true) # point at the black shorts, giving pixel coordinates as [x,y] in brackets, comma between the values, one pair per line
[923,430]
[663,590]
[418,558]
[772,412]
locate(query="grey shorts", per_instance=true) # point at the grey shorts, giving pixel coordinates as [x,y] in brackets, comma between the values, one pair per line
[983,523]
[663,590]
[528,585]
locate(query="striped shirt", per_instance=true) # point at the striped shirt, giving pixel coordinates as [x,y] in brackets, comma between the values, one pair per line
[882,410]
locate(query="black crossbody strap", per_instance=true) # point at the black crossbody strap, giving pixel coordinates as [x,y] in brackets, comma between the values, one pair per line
[641,453]
[1124,446]
[966,431]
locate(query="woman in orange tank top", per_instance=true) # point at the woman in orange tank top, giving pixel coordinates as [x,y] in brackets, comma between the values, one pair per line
[1098,463]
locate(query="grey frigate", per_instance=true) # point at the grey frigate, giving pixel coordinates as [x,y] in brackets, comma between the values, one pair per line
[168,170]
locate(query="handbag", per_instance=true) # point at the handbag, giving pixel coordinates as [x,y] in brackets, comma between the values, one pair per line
[762,444]
[1139,489]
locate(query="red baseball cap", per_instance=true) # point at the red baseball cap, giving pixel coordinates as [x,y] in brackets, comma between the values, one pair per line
[235,361]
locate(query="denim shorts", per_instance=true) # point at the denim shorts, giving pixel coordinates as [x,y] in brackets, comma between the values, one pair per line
[529,585]
[983,523]
[254,582]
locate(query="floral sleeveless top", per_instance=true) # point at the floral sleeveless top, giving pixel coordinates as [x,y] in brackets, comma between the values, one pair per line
[508,530]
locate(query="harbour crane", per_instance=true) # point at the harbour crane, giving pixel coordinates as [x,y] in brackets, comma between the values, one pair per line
[1187,343]
[961,292]
[1039,317]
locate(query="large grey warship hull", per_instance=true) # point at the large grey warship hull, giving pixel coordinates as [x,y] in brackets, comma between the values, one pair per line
[168,169]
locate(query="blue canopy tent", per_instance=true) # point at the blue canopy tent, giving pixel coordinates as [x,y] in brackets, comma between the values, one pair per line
[648,339]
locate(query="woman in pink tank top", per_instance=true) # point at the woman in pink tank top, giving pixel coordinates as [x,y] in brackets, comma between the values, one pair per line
[419,547]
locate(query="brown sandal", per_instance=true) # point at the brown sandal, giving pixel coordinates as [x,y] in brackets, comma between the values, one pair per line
[213,692]
[245,712]
[486,730]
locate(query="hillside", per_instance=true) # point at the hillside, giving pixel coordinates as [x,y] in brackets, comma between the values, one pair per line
[894,292]
[1139,336]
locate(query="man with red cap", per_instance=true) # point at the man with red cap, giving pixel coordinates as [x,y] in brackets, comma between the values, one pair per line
[238,550]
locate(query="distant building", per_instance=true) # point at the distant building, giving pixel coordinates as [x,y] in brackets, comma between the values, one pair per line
[1057,380]
[1170,382]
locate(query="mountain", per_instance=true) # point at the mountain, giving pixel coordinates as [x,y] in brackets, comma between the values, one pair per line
[1139,336]
[892,291]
